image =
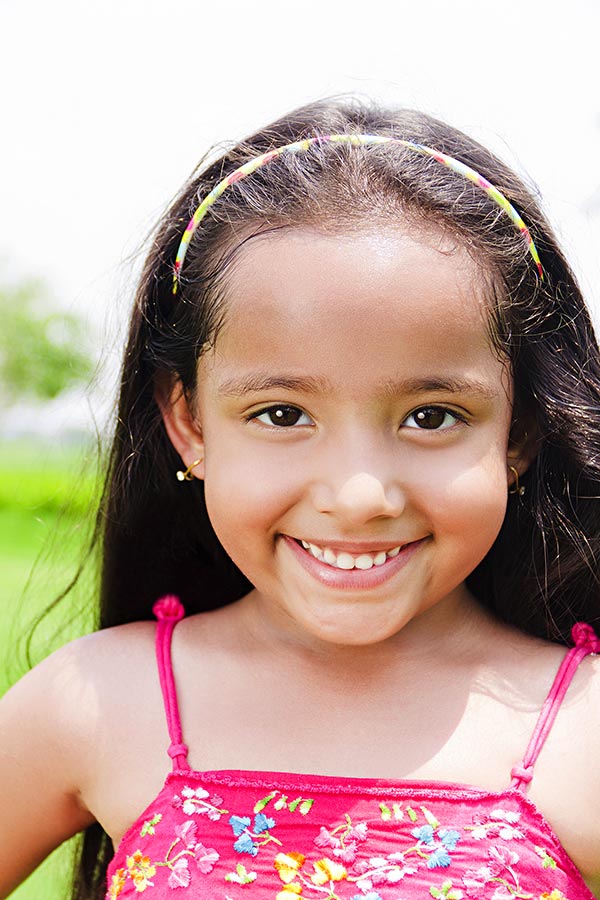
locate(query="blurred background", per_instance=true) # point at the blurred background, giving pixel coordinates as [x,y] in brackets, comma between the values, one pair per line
[107,107]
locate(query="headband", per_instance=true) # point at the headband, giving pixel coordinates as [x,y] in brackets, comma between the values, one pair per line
[357,140]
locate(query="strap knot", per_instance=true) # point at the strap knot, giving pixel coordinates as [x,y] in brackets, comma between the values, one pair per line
[169,607]
[522,773]
[584,636]
[176,750]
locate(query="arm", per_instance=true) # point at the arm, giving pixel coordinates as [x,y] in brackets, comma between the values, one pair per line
[40,767]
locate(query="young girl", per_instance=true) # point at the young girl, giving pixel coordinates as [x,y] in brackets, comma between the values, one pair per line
[358,438]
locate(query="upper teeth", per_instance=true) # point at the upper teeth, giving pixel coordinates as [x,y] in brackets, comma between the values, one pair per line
[345,560]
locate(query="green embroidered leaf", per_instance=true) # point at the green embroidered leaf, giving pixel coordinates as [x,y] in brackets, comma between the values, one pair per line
[281,803]
[294,804]
[431,819]
[305,807]
[386,813]
[547,861]
[260,805]
[148,827]
[241,875]
[397,809]
[435,893]
[411,814]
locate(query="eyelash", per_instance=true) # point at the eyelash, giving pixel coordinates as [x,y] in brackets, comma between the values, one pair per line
[270,410]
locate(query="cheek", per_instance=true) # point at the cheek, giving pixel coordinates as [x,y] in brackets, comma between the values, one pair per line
[248,495]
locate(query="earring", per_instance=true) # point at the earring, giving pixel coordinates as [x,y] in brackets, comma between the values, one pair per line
[516,488]
[187,475]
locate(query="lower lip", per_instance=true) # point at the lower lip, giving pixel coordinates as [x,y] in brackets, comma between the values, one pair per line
[353,579]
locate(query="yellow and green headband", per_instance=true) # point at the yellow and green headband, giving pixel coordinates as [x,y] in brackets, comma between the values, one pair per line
[357,140]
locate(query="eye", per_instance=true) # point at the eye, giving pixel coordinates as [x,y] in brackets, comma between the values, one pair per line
[432,418]
[282,416]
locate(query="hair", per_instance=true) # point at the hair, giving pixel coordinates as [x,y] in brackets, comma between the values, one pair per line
[541,573]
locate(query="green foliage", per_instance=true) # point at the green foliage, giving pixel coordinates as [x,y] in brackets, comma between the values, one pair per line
[46,501]
[41,353]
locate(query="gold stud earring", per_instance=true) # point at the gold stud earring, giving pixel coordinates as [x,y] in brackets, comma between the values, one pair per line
[516,488]
[187,475]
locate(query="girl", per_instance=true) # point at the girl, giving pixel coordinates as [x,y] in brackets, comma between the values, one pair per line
[358,437]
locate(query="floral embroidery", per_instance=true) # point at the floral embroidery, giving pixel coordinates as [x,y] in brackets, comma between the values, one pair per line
[499,874]
[363,855]
[241,875]
[195,802]
[446,892]
[499,823]
[250,841]
[548,862]
[299,803]
[140,870]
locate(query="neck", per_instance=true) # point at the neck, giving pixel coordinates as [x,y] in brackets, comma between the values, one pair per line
[456,625]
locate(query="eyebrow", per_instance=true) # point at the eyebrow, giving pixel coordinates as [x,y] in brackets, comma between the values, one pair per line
[262,381]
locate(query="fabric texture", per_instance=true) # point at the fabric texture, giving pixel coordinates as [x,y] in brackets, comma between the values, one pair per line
[233,835]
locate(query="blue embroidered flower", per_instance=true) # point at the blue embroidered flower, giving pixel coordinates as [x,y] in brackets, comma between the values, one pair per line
[449,838]
[372,895]
[239,824]
[439,859]
[245,844]
[262,823]
[424,833]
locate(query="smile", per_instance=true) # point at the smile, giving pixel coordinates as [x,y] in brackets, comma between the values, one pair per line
[344,560]
[360,570]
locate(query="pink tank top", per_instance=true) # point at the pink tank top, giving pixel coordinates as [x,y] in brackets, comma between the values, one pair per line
[237,835]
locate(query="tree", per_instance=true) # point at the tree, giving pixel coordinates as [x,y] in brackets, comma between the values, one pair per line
[42,351]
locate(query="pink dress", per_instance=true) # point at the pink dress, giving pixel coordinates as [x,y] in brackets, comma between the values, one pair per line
[237,835]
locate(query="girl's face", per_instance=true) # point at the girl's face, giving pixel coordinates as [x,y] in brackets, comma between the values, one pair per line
[354,422]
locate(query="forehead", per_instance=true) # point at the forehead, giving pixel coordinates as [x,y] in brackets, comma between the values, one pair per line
[356,305]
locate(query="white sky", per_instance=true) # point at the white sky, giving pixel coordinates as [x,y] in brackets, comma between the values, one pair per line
[107,106]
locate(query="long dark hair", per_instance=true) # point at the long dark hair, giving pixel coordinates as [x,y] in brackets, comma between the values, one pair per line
[541,573]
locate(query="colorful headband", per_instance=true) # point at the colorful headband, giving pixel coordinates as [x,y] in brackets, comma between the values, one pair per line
[358,140]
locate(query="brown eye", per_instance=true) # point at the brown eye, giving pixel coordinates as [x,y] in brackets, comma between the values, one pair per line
[285,416]
[432,418]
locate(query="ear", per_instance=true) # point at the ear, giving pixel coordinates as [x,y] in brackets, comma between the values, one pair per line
[181,425]
[522,444]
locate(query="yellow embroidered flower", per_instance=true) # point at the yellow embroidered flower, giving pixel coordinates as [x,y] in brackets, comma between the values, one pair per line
[288,865]
[117,884]
[328,870]
[289,891]
[553,895]
[141,870]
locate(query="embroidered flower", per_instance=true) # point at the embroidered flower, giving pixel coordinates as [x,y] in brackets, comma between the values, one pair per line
[241,875]
[141,870]
[498,823]
[247,840]
[179,875]
[117,884]
[199,802]
[343,840]
[327,870]
[446,892]
[288,865]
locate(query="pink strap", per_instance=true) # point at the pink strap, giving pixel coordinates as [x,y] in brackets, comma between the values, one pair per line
[169,611]
[586,642]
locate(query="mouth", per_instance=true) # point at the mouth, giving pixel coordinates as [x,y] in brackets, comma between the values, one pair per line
[366,567]
[342,559]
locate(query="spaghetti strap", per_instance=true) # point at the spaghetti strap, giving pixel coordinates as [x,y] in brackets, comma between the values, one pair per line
[586,641]
[169,611]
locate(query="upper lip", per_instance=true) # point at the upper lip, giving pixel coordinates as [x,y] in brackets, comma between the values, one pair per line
[354,547]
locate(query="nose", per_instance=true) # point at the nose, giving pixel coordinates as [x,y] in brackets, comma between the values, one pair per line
[361,497]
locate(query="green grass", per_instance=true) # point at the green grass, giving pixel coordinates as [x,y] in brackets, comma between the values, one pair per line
[46,502]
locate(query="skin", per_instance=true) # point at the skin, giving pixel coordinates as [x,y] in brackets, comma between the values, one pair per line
[385,324]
